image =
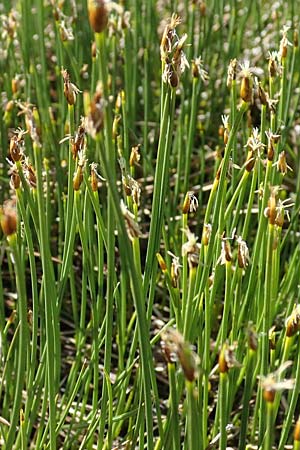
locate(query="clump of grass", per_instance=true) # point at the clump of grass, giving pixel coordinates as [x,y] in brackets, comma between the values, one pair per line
[150,196]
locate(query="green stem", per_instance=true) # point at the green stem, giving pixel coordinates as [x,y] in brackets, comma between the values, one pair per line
[49,300]
[23,340]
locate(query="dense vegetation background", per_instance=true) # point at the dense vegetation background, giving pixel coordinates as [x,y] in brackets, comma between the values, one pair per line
[150,192]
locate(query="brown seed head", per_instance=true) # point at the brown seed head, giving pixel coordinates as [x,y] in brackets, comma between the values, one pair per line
[94,50]
[282,164]
[94,178]
[70,90]
[274,382]
[9,106]
[293,322]
[133,229]
[243,253]
[14,149]
[179,349]
[134,155]
[246,90]
[78,177]
[161,262]
[226,136]
[15,85]
[280,217]
[126,185]
[15,180]
[271,150]
[297,431]
[272,67]
[191,249]
[272,338]
[202,8]
[227,358]
[115,127]
[30,175]
[231,73]
[190,203]
[22,417]
[252,339]
[296,40]
[8,218]
[78,142]
[226,255]
[223,367]
[262,95]
[16,145]
[272,212]
[269,395]
[95,118]
[206,233]
[250,162]
[174,270]
[12,317]
[98,15]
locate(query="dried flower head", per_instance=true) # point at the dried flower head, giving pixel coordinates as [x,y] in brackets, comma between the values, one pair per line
[78,175]
[176,348]
[227,358]
[115,127]
[9,25]
[282,209]
[270,212]
[169,35]
[281,164]
[262,94]
[292,323]
[70,90]
[243,253]
[191,248]
[16,145]
[231,72]
[226,255]
[135,155]
[273,382]
[284,43]
[252,338]
[246,74]
[161,262]
[226,127]
[297,432]
[175,266]
[65,31]
[29,172]
[95,118]
[15,180]
[254,141]
[225,121]
[8,218]
[198,70]
[272,337]
[32,121]
[132,188]
[255,149]
[206,233]
[274,64]
[133,230]
[272,140]
[190,203]
[172,54]
[98,15]
[296,39]
[95,176]
[78,142]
